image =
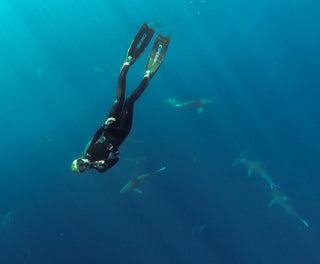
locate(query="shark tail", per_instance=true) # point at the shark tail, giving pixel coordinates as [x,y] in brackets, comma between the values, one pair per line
[272,203]
[162,169]
[304,222]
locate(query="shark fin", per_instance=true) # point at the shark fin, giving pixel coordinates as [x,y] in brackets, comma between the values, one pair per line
[272,203]
[138,190]
[250,172]
[162,169]
[235,162]
[200,109]
[304,222]
[196,99]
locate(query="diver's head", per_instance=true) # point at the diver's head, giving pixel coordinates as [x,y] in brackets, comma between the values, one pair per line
[80,165]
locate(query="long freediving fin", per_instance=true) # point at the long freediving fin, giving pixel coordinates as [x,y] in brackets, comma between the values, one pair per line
[157,54]
[139,43]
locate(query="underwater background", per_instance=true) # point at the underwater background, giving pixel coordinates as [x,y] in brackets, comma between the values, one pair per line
[259,63]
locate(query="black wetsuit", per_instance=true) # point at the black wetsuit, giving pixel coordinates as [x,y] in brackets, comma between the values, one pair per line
[106,141]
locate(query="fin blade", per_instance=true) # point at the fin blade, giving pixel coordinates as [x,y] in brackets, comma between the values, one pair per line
[139,43]
[157,54]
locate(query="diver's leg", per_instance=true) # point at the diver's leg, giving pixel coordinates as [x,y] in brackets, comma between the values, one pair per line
[134,96]
[127,112]
[137,47]
[124,128]
[115,112]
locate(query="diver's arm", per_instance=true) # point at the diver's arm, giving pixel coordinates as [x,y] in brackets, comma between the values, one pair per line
[103,165]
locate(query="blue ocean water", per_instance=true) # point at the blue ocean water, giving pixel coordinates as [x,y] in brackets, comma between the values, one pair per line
[258,62]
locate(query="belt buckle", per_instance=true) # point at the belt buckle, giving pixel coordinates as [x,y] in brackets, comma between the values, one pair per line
[109,146]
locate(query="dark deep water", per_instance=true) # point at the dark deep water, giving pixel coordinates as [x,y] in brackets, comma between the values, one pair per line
[258,61]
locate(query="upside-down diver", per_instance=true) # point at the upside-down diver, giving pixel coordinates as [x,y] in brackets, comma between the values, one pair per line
[102,150]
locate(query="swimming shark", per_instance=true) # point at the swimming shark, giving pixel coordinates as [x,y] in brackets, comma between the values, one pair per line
[253,167]
[136,160]
[6,219]
[156,24]
[133,184]
[197,230]
[45,139]
[283,201]
[39,72]
[97,70]
[194,103]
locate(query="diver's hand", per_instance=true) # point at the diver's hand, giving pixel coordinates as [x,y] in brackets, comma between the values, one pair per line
[99,165]
[100,162]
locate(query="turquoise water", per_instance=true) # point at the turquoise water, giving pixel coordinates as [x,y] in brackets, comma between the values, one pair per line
[257,61]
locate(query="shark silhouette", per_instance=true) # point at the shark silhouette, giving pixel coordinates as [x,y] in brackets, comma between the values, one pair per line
[133,184]
[283,201]
[254,167]
[6,219]
[39,72]
[156,24]
[136,160]
[194,103]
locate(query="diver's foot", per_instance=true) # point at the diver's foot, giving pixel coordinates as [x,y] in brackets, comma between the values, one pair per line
[110,121]
[125,65]
[148,74]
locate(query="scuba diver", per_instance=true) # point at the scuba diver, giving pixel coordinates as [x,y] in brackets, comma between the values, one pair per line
[102,150]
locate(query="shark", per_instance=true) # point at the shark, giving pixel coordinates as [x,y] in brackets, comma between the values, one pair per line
[197,230]
[97,70]
[194,103]
[39,72]
[133,184]
[254,167]
[45,139]
[283,201]
[156,24]
[136,160]
[6,219]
